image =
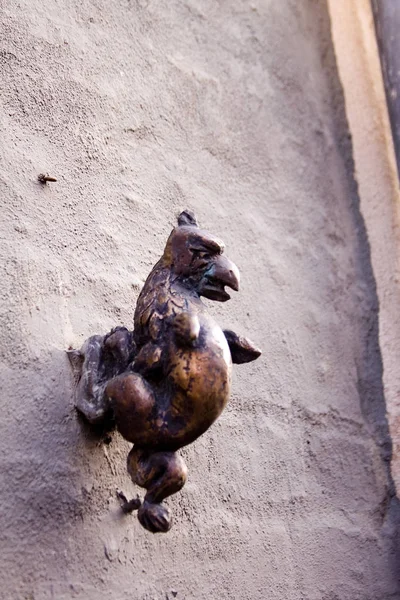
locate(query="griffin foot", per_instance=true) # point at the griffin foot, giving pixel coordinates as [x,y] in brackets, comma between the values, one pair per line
[155,517]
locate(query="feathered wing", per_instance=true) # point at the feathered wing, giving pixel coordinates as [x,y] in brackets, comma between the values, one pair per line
[156,303]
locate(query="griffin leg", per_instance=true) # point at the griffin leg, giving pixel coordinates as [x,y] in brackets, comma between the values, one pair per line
[242,349]
[133,402]
[186,327]
[161,474]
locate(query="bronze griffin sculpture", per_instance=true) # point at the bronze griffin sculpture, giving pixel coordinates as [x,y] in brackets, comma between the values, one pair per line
[166,382]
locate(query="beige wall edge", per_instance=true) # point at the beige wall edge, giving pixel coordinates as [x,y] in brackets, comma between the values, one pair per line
[375,170]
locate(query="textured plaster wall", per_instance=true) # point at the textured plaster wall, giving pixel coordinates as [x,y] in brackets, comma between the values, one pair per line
[360,71]
[234,109]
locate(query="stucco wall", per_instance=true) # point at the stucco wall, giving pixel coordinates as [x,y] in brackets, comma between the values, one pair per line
[234,109]
[375,169]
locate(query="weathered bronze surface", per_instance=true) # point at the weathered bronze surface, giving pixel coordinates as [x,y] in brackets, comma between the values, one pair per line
[167,381]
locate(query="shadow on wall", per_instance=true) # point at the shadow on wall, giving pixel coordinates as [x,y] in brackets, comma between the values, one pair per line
[49,462]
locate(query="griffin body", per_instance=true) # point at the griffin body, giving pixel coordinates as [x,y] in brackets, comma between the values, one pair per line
[168,380]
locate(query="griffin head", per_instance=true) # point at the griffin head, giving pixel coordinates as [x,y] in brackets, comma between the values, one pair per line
[195,258]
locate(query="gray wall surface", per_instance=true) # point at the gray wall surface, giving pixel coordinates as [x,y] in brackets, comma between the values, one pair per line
[234,109]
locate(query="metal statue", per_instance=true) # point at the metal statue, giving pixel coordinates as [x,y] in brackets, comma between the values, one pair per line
[169,379]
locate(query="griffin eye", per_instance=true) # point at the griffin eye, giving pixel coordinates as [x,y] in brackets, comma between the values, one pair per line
[204,255]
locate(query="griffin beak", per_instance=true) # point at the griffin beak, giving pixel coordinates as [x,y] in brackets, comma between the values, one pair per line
[222,272]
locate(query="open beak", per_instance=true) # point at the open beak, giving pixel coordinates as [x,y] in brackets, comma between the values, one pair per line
[222,272]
